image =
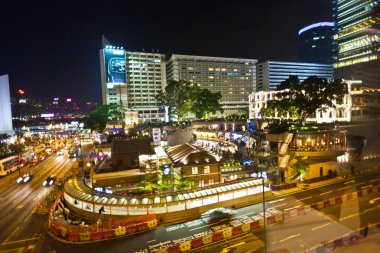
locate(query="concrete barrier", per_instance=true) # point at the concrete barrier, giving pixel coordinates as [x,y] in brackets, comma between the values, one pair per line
[307,209]
[355,195]
[271,220]
[108,234]
[141,227]
[320,205]
[131,229]
[326,203]
[162,250]
[300,211]
[332,201]
[344,197]
[338,200]
[255,225]
[227,233]
[152,223]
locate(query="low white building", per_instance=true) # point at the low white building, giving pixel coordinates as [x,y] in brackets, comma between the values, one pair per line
[342,112]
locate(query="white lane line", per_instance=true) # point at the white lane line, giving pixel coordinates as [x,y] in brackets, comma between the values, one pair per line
[321,226]
[374,180]
[352,181]
[19,206]
[349,216]
[367,186]
[277,200]
[361,183]
[304,198]
[280,205]
[289,237]
[343,188]
[325,193]
[14,231]
[151,241]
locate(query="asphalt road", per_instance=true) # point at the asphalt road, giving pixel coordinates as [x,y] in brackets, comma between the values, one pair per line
[20,229]
[199,227]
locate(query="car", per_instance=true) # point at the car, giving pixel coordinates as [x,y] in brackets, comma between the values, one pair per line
[60,152]
[49,180]
[24,178]
[216,215]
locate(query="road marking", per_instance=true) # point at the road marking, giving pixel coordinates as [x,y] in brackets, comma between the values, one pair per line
[344,188]
[321,226]
[151,241]
[277,200]
[349,216]
[374,180]
[280,205]
[367,186]
[352,181]
[296,206]
[361,183]
[325,193]
[289,237]
[19,206]
[304,198]
[14,231]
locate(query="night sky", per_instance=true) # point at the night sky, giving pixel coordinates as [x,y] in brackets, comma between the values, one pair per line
[51,48]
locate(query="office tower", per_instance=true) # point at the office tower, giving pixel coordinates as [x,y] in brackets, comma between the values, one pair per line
[271,73]
[357,39]
[235,78]
[132,79]
[6,125]
[316,43]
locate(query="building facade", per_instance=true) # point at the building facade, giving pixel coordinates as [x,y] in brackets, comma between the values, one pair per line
[133,79]
[234,78]
[316,43]
[357,39]
[342,112]
[271,73]
[6,125]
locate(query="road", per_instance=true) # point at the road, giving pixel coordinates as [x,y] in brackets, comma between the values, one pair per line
[20,228]
[199,227]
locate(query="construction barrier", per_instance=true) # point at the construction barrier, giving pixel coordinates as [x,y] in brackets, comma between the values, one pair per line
[236,230]
[246,227]
[217,236]
[307,209]
[207,239]
[73,237]
[227,233]
[120,231]
[185,246]
[338,200]
[96,236]
[173,249]
[108,234]
[86,236]
[254,225]
[326,203]
[196,243]
[162,250]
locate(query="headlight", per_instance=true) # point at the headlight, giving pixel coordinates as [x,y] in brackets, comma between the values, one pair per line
[44,183]
[26,179]
[51,182]
[19,180]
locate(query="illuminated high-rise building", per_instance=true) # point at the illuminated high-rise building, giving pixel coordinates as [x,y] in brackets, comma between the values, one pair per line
[357,40]
[316,43]
[234,78]
[6,125]
[132,80]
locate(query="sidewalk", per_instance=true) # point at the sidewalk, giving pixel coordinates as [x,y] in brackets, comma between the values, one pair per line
[311,186]
[370,244]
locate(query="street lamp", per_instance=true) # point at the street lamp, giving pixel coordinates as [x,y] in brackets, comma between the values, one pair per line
[265,235]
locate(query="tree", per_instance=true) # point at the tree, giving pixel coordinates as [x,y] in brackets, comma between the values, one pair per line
[183,97]
[205,102]
[300,166]
[97,119]
[303,99]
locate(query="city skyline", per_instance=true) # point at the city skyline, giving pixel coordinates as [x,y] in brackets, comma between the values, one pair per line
[42,55]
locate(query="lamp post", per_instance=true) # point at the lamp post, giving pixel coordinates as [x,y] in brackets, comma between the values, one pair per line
[265,233]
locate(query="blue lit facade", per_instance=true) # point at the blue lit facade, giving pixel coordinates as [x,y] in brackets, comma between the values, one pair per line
[271,73]
[357,39]
[316,43]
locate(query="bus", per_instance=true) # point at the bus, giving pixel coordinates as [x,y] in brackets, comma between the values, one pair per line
[9,165]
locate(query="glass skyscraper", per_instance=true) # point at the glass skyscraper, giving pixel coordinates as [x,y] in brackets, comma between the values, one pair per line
[316,43]
[357,40]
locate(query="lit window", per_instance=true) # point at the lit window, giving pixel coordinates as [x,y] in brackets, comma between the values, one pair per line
[195,170]
[210,69]
[206,170]
[211,182]
[201,183]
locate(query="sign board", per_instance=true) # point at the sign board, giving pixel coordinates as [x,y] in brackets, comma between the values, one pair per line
[156,134]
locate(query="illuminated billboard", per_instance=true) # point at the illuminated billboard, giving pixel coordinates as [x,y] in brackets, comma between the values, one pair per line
[114,63]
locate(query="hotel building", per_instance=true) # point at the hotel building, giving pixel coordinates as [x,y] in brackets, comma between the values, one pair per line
[234,78]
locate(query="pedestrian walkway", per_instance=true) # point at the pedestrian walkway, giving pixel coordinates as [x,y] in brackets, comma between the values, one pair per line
[370,244]
[311,186]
